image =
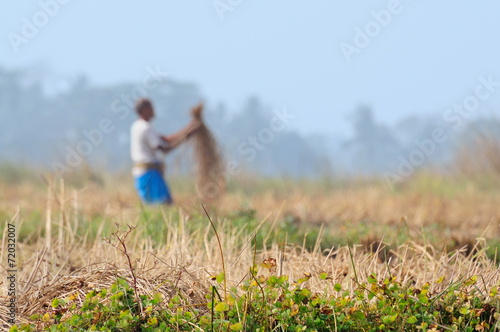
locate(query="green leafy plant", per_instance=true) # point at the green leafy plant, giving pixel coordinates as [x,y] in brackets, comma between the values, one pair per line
[275,303]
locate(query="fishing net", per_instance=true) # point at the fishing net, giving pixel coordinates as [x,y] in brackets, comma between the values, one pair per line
[210,177]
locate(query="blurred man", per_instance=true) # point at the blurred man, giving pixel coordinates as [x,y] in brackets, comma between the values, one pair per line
[146,145]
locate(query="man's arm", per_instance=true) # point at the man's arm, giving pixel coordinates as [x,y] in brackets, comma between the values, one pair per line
[181,136]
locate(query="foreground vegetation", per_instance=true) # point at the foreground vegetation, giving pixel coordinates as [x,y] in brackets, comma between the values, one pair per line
[272,303]
[275,256]
[265,299]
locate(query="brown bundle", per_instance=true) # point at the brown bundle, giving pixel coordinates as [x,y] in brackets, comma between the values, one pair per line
[210,177]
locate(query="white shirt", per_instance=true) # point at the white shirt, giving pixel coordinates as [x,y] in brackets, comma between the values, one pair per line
[144,144]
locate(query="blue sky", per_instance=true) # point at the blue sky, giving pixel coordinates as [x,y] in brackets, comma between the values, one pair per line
[428,57]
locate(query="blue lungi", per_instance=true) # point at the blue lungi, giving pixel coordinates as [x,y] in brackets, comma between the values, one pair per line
[152,188]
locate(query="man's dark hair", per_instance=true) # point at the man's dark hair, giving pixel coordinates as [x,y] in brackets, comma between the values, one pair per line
[141,104]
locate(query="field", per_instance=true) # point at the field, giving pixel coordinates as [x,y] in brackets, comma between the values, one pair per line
[274,254]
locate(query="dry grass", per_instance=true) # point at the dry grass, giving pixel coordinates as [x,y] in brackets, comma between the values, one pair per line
[185,263]
[76,263]
[465,214]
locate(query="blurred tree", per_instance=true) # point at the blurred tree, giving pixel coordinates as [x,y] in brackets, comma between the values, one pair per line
[373,148]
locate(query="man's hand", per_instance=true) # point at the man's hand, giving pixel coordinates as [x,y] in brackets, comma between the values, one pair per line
[176,139]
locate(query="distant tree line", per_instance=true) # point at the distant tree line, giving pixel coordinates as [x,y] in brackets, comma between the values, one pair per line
[89,124]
